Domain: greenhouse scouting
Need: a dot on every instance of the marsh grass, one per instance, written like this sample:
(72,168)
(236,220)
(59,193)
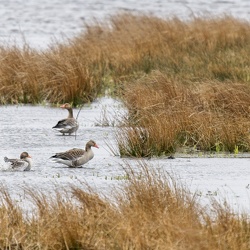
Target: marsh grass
(207,116)
(151,210)
(121,49)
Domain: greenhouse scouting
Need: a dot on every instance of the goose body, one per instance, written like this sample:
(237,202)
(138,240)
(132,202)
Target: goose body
(24,163)
(75,157)
(68,125)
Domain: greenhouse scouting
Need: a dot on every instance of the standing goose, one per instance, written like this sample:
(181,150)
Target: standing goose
(75,157)
(68,125)
(24,163)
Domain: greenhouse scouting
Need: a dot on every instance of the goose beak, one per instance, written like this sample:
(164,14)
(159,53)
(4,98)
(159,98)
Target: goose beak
(96,146)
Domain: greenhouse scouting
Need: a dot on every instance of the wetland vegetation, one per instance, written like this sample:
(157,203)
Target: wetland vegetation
(150,211)
(184,83)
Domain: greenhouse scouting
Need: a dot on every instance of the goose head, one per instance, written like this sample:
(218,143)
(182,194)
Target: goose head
(69,108)
(24,155)
(66,106)
(90,144)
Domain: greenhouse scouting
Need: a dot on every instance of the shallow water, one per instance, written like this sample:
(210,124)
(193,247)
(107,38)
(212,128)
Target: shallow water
(29,128)
(39,22)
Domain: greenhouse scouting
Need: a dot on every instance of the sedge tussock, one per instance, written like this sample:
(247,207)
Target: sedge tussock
(150,210)
(172,115)
(123,48)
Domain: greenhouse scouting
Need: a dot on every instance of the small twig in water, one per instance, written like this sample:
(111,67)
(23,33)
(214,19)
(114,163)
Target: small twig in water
(78,115)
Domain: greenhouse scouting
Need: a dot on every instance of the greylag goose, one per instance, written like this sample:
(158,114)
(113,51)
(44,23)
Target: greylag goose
(68,125)
(75,157)
(24,163)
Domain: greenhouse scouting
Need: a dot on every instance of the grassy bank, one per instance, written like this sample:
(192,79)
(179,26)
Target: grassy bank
(151,211)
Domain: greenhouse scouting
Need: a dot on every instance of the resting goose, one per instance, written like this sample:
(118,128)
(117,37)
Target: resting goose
(24,163)
(75,157)
(68,125)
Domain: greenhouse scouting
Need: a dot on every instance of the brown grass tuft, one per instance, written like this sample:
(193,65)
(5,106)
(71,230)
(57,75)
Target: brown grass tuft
(165,115)
(124,48)
(151,210)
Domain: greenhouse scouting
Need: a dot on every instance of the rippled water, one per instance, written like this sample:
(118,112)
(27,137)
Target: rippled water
(41,21)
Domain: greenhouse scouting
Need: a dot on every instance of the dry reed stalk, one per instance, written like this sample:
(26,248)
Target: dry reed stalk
(12,222)
(150,206)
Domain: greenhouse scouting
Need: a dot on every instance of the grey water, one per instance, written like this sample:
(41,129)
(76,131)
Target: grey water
(39,23)
(29,128)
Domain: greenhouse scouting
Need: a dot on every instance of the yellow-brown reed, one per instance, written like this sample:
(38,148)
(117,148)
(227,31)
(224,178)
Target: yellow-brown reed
(29,76)
(151,211)
(165,115)
(123,48)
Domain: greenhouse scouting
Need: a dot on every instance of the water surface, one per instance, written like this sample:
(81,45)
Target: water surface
(29,128)
(40,22)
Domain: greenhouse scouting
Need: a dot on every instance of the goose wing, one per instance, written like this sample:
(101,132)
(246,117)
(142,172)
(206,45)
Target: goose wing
(67,123)
(72,154)
(6,159)
(15,163)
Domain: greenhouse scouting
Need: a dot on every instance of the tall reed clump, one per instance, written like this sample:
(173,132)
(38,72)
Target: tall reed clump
(165,115)
(67,75)
(19,78)
(201,48)
(123,48)
(150,211)
(56,75)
